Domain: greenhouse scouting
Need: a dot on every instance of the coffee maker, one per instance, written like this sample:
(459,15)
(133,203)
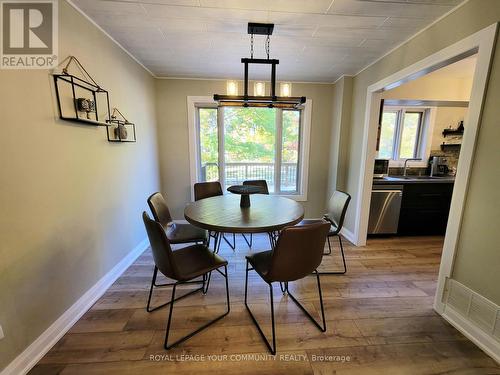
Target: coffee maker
(439,166)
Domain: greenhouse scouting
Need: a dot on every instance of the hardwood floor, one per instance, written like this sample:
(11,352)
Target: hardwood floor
(379,321)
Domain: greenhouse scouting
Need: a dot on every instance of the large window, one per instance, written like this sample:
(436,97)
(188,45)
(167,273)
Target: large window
(401,133)
(235,144)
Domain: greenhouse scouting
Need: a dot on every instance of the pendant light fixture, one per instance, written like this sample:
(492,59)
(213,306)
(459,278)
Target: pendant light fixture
(259,99)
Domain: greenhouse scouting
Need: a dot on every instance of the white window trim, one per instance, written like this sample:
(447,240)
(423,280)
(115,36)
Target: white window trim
(425,141)
(305,133)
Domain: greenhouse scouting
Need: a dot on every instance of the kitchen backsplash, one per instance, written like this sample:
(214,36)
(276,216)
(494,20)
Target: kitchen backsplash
(413,171)
(450,155)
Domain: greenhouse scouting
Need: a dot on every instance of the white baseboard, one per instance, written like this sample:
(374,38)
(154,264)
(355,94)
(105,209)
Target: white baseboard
(348,235)
(469,329)
(25,361)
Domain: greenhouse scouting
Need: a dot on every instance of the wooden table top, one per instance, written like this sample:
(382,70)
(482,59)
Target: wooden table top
(223,213)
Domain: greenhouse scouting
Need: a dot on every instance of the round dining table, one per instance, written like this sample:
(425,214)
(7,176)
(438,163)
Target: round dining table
(223,214)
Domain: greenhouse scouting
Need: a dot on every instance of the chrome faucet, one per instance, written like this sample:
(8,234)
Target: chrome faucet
(406,162)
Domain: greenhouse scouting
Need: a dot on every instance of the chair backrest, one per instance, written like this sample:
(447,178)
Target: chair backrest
(262,184)
(159,209)
(298,252)
(337,208)
(162,252)
(204,190)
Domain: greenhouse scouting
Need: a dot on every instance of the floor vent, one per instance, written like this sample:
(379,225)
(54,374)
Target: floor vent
(457,297)
(478,310)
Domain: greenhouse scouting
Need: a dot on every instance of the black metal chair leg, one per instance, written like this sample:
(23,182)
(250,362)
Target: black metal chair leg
(272,348)
(321,328)
(249,243)
(329,246)
(284,287)
(217,239)
(231,245)
(342,252)
(343,261)
(153,280)
(184,338)
(272,240)
(215,236)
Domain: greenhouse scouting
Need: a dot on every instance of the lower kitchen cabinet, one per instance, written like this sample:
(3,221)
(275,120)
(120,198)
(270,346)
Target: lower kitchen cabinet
(425,208)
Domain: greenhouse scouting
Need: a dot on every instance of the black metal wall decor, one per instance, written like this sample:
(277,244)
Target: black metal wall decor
(120,130)
(80,99)
(271,101)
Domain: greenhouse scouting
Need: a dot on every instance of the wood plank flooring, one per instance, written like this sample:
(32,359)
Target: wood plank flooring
(379,321)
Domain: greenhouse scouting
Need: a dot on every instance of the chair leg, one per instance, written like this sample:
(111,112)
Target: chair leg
(184,338)
(321,328)
(272,348)
(342,252)
(231,245)
(217,241)
(249,243)
(284,287)
(343,261)
(272,240)
(153,284)
(329,246)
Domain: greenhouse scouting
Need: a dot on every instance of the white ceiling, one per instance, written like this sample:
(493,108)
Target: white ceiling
(315,40)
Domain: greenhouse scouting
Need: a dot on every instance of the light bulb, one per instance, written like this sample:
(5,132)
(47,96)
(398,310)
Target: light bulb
(259,89)
(232,88)
(285,89)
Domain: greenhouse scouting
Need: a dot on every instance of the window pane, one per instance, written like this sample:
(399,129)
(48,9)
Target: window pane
(249,145)
(290,151)
(209,144)
(386,146)
(409,135)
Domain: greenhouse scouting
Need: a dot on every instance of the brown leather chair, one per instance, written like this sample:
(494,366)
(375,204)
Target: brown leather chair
(262,184)
(210,189)
(204,190)
(297,254)
(183,266)
(177,232)
(337,208)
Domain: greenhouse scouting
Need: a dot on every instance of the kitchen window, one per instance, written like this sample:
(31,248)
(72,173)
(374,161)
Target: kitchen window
(402,133)
(234,144)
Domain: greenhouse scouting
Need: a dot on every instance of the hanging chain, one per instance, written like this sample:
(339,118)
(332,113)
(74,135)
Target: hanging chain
(268,46)
(251,46)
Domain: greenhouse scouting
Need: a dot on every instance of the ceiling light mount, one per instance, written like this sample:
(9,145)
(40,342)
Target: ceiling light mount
(260,28)
(260,101)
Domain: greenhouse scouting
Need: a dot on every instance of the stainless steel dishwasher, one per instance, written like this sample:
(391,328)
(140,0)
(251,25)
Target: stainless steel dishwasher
(384,209)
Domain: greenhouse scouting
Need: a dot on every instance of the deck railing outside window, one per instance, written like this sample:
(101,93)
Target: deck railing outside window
(236,173)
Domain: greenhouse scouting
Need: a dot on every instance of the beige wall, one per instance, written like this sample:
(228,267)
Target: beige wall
(70,201)
(339,136)
(174,143)
(446,117)
(478,254)
(432,88)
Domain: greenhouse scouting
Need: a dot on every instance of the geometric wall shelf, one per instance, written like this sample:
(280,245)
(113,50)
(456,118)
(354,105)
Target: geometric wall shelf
(120,130)
(81,99)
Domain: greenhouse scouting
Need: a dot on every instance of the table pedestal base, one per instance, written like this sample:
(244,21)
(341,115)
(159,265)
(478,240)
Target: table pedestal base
(245,201)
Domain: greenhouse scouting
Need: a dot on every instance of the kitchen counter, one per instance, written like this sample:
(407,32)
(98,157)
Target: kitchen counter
(425,203)
(399,180)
